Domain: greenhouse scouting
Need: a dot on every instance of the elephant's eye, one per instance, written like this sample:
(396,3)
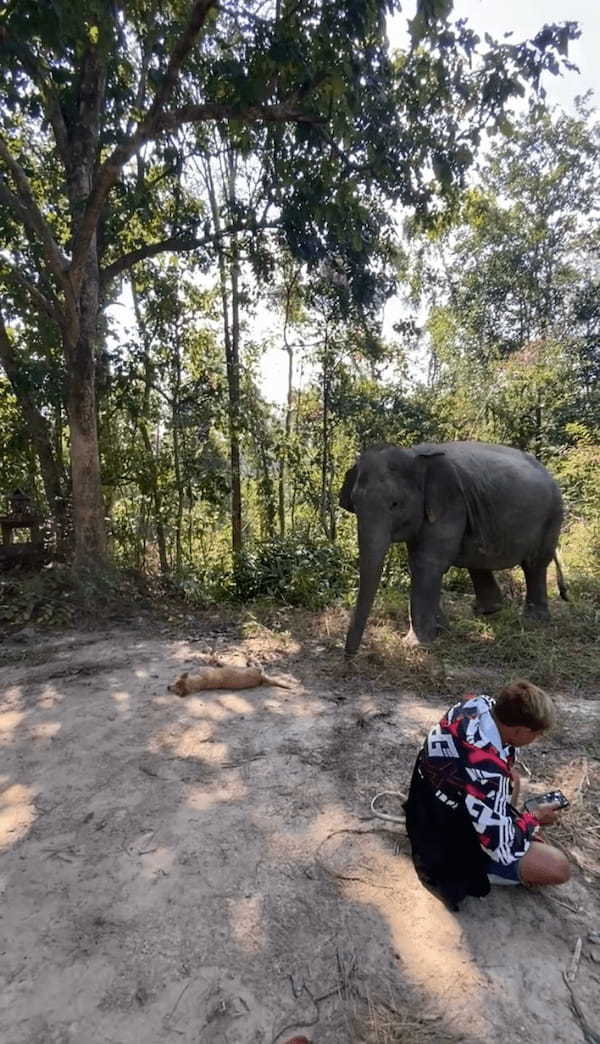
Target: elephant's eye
(394,503)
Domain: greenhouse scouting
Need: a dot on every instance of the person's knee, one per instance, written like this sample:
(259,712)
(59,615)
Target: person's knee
(545,865)
(562,869)
(558,870)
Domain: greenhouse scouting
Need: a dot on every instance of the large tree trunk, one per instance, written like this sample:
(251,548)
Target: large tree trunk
(231,332)
(88,507)
(82,308)
(175,423)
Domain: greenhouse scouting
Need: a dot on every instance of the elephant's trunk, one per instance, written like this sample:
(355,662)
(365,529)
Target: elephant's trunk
(372,556)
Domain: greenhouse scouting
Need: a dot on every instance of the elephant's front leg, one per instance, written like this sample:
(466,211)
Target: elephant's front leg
(425,592)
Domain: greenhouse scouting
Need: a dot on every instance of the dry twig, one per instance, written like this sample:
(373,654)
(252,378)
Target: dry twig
(347,877)
(571,972)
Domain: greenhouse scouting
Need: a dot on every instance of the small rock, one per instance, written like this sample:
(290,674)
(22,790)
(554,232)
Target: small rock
(594,937)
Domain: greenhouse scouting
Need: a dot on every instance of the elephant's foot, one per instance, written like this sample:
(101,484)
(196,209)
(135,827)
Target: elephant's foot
(412,640)
(536,612)
(488,596)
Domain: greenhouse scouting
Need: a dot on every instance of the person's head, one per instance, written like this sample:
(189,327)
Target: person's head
(523,712)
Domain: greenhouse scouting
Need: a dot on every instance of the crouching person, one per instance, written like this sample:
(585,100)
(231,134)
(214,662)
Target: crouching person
(461,817)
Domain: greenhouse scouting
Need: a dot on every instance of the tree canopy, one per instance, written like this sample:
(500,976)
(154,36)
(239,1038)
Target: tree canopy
(244,139)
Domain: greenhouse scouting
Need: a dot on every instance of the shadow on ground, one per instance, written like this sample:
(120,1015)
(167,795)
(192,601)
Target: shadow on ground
(206,870)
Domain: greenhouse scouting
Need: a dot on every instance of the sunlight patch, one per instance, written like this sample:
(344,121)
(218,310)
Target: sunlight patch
(120,696)
(9,722)
(17,813)
(203,708)
(49,698)
(203,798)
(236,703)
(246,920)
(157,863)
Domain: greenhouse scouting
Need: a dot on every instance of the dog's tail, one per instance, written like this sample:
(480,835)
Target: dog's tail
(560,577)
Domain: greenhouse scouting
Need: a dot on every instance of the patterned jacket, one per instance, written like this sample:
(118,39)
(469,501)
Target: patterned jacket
(461,764)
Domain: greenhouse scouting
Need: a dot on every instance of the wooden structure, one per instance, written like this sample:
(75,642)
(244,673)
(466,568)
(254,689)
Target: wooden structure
(21,515)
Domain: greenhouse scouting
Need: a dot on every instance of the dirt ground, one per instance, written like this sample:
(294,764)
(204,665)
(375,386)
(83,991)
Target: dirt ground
(206,870)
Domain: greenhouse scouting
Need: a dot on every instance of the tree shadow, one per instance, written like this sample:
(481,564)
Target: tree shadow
(203,868)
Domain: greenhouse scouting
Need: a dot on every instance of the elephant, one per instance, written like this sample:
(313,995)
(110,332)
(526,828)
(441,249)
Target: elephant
(474,505)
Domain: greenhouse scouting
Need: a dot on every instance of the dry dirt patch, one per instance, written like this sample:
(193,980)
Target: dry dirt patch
(206,870)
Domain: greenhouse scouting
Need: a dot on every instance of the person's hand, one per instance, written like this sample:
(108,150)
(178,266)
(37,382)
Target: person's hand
(546,814)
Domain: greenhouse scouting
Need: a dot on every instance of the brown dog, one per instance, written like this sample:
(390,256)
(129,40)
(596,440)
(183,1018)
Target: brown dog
(222,678)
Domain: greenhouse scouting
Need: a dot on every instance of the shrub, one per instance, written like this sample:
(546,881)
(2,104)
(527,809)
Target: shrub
(295,572)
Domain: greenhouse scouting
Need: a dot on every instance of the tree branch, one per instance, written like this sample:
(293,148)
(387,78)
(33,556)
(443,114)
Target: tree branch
(179,54)
(157,121)
(178,244)
(49,305)
(111,169)
(26,209)
(286,112)
(34,68)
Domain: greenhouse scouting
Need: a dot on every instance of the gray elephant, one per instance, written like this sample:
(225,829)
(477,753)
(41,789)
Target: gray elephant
(469,504)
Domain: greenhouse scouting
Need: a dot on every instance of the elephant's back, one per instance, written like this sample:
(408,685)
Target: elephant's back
(514,506)
(488,467)
(459,452)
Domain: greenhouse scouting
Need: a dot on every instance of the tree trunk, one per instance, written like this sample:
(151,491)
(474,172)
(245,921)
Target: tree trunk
(80,329)
(175,393)
(149,449)
(231,333)
(88,508)
(233,381)
(283,461)
(324,506)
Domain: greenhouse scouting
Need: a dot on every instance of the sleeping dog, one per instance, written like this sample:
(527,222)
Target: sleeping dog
(222,678)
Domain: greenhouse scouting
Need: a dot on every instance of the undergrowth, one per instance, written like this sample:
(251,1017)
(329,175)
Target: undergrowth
(59,596)
(565,651)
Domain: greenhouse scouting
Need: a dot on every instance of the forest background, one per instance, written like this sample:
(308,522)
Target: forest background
(188,190)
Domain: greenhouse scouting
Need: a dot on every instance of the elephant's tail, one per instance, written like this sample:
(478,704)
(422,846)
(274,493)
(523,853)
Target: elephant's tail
(560,577)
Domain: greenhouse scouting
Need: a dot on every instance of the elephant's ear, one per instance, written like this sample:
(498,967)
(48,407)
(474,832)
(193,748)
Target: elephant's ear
(345,497)
(440,485)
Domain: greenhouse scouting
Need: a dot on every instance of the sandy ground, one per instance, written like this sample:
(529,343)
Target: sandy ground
(206,871)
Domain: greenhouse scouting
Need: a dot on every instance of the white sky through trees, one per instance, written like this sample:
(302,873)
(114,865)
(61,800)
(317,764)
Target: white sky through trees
(523,18)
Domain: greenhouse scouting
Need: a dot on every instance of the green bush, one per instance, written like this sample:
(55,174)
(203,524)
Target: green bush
(44,598)
(297,573)
(290,570)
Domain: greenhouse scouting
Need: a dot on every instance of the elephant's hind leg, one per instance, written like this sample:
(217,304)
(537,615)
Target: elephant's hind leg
(536,599)
(488,596)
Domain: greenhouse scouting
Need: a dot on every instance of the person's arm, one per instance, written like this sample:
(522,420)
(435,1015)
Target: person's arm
(503,833)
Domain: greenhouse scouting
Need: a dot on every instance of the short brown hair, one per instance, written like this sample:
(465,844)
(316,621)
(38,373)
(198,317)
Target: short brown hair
(522,703)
